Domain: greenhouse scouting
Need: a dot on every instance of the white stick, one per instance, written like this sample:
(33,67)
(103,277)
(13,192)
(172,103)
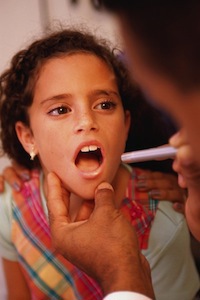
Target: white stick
(158,153)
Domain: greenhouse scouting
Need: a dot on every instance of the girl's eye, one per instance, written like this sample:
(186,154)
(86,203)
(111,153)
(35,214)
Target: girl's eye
(106,105)
(59,111)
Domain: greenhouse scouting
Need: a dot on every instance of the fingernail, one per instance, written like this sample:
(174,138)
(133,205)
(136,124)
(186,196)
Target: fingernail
(154,194)
(104,185)
(16,186)
(173,138)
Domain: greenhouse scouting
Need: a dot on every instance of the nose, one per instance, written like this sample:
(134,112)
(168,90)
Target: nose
(85,122)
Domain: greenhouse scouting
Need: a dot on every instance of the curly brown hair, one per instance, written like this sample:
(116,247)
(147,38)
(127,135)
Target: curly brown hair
(17,83)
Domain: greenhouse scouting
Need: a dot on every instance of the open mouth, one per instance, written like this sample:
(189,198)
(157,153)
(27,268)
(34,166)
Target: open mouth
(89,158)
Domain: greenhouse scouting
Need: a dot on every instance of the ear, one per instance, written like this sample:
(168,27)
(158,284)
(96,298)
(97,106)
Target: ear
(25,137)
(127,122)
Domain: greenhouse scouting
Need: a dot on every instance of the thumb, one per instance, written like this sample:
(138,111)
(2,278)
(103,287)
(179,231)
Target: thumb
(104,196)
(175,139)
(57,199)
(85,211)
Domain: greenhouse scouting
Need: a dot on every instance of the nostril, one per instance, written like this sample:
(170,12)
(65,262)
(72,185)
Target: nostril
(86,126)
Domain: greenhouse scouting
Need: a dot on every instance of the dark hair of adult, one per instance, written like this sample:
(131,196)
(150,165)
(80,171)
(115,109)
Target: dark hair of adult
(150,127)
(168,35)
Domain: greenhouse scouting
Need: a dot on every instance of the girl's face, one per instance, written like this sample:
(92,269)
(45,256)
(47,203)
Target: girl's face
(78,124)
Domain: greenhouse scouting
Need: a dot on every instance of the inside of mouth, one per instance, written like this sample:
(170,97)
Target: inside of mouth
(89,161)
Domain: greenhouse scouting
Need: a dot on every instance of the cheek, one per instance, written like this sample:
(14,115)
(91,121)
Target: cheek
(119,135)
(50,145)
(56,159)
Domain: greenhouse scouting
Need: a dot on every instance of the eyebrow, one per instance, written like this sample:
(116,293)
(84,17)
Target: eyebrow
(56,97)
(99,92)
(105,92)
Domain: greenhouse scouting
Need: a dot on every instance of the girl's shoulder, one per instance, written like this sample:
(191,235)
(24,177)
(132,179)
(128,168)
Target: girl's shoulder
(7,249)
(6,199)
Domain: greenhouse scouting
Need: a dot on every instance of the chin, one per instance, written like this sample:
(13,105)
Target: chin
(85,193)
(88,195)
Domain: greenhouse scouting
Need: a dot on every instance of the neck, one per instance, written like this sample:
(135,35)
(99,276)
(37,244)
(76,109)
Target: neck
(76,203)
(120,183)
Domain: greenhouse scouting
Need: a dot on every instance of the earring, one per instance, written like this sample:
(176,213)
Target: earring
(32,153)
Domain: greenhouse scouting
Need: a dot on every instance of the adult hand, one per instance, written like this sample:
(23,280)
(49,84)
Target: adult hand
(184,164)
(163,186)
(188,176)
(104,245)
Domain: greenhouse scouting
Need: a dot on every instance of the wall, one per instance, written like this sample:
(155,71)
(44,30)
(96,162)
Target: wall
(20,20)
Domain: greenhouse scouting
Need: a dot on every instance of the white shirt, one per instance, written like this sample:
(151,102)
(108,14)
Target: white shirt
(125,296)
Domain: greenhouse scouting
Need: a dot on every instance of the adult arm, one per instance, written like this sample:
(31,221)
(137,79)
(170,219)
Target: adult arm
(189,176)
(104,246)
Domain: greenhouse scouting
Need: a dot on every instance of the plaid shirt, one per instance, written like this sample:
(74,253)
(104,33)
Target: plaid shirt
(48,274)
(139,209)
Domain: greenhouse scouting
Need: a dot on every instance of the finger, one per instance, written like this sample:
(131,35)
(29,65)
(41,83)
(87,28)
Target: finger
(85,211)
(175,139)
(147,174)
(177,168)
(1,184)
(158,175)
(57,199)
(162,177)
(156,180)
(149,184)
(144,174)
(22,172)
(173,195)
(178,139)
(181,181)
(104,196)
(167,176)
(12,178)
(185,156)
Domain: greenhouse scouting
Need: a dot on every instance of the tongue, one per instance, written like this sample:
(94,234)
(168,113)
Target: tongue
(87,162)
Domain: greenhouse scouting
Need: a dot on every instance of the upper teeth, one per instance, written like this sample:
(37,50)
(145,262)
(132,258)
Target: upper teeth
(89,148)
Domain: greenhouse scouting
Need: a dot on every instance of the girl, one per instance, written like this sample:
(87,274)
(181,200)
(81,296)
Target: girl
(65,108)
